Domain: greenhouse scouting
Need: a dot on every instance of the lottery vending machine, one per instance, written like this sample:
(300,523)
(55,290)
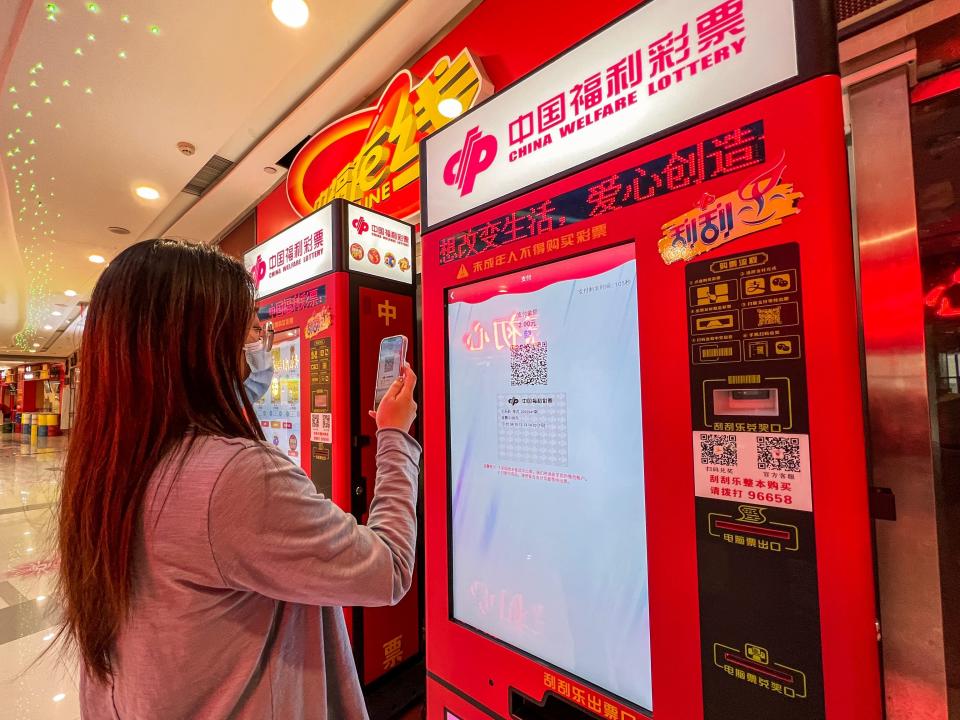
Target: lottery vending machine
(333,285)
(646,489)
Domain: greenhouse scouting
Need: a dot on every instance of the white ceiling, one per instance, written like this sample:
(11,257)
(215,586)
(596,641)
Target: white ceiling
(221,74)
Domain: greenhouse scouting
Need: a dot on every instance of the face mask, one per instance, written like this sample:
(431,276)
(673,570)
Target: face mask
(261,370)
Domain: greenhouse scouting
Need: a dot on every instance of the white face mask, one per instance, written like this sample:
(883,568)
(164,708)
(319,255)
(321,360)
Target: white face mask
(260,361)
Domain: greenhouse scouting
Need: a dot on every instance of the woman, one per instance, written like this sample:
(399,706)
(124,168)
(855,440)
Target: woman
(200,572)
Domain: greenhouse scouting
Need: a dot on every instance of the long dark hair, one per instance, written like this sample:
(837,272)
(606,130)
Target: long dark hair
(160,361)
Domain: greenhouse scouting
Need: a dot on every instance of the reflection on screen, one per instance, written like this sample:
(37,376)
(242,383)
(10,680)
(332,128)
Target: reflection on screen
(547,488)
(279,410)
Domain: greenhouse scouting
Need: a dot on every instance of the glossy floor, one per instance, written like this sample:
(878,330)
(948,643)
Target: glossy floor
(30,688)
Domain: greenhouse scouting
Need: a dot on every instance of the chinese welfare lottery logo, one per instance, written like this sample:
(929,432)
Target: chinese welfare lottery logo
(258,271)
(476,155)
(360,225)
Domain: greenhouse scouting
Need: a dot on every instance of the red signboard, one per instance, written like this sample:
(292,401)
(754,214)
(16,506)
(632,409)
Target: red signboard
(372,156)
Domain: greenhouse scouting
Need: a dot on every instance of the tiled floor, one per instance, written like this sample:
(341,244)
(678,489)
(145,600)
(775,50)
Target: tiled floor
(31,687)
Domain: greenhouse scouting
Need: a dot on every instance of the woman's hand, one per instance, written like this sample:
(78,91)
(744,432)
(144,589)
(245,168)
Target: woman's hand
(398,409)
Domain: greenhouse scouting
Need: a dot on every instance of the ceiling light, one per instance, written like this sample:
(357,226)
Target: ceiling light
(97,259)
(41,598)
(70,293)
(154,29)
(93,7)
(32,350)
(48,327)
(59,697)
(292,13)
(147,192)
(125,18)
(49,636)
(56,313)
(36,344)
(270,170)
(117,230)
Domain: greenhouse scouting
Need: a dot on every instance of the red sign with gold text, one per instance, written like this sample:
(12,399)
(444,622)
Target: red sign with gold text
(372,157)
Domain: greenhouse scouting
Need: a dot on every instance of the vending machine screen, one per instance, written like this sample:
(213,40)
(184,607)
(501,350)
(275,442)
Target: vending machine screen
(279,410)
(546,467)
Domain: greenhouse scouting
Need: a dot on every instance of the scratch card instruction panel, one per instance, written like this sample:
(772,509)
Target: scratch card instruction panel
(756,551)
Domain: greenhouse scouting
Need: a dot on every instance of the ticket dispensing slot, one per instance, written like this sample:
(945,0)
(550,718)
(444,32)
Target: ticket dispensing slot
(759,402)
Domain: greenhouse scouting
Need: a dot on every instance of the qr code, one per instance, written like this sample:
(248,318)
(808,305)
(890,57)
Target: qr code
(718,450)
(528,364)
(388,365)
(778,453)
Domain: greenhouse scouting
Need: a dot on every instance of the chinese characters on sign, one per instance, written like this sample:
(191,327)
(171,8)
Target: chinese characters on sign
(379,245)
(294,303)
(393,652)
(658,67)
(720,34)
(299,253)
(511,608)
(518,329)
(712,158)
(752,665)
(758,204)
(588,699)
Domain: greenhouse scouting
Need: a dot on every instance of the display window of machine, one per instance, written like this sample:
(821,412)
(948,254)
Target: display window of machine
(545,435)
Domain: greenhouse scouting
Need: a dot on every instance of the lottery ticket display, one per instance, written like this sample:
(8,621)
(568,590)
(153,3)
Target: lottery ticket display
(279,410)
(545,436)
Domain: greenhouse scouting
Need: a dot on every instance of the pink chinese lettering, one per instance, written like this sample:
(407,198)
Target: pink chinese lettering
(587,94)
(551,113)
(521,128)
(625,74)
(602,197)
(715,24)
(670,50)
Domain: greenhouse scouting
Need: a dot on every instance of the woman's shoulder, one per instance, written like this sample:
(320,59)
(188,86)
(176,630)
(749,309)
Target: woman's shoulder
(213,453)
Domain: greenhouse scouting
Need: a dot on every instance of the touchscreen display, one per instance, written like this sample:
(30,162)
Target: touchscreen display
(546,477)
(279,410)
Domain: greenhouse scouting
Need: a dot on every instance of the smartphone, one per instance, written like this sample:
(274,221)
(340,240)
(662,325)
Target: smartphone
(393,353)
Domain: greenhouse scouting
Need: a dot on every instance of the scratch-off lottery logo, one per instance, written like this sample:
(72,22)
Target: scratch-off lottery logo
(760,203)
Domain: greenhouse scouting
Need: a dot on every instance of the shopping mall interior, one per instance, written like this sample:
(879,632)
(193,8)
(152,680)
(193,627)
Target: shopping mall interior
(536,360)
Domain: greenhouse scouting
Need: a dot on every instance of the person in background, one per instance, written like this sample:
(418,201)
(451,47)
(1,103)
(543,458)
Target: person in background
(201,574)
(257,350)
(5,413)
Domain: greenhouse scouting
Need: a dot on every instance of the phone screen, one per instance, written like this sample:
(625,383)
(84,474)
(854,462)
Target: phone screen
(393,351)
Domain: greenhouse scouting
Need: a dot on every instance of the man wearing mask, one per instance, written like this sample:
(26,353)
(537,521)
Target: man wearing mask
(259,359)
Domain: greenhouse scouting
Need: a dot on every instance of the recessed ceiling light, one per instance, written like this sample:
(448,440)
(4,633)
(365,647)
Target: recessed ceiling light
(70,293)
(97,259)
(450,108)
(48,637)
(32,350)
(36,344)
(59,697)
(117,230)
(56,313)
(270,170)
(41,598)
(147,192)
(292,13)
(48,327)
